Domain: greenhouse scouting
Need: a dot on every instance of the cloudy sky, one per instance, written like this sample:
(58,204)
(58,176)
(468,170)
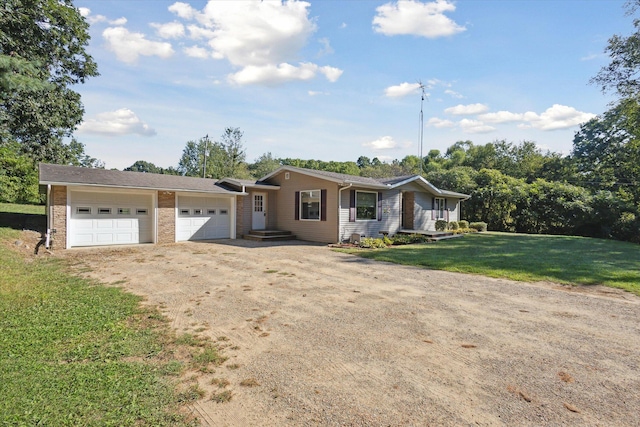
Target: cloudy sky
(334,80)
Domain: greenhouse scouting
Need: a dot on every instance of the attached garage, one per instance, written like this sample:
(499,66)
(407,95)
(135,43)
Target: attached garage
(104,218)
(99,207)
(203,218)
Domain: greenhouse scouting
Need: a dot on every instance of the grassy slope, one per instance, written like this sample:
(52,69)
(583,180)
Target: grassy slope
(25,209)
(562,259)
(74,352)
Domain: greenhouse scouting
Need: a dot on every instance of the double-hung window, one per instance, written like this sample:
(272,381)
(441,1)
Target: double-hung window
(366,205)
(439,207)
(310,205)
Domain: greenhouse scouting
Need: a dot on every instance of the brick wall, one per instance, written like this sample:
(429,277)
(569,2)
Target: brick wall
(59,216)
(166,217)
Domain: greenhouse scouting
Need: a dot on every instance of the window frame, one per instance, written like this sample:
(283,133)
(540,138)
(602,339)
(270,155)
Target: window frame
(301,217)
(440,207)
(375,206)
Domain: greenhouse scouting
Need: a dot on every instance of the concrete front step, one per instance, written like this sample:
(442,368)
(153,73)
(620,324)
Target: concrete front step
(269,235)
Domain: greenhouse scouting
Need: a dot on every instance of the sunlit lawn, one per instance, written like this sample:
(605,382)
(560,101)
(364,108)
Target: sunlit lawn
(526,257)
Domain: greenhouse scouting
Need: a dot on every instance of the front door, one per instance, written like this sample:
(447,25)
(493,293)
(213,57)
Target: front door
(259,218)
(408,204)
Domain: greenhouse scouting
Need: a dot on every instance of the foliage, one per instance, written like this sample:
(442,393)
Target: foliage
(18,176)
(76,353)
(463,224)
(371,243)
(560,259)
(42,54)
(478,226)
(218,159)
(147,167)
(409,239)
(441,225)
(453,225)
(264,165)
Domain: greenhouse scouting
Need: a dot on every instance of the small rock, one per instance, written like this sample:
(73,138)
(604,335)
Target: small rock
(18,242)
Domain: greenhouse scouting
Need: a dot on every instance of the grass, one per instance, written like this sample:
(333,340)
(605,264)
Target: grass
(74,352)
(526,257)
(22,209)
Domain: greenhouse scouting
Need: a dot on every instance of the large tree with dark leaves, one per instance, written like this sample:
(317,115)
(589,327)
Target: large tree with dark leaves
(42,56)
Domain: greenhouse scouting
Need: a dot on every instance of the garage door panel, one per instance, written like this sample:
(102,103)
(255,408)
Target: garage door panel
(199,218)
(113,218)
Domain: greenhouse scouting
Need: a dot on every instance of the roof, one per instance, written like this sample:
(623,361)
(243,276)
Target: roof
(362,181)
(340,178)
(250,183)
(73,175)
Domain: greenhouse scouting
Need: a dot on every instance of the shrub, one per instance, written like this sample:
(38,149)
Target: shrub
(407,239)
(372,243)
(463,224)
(441,225)
(479,226)
(387,241)
(453,225)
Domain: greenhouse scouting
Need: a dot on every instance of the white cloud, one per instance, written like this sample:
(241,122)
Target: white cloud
(196,52)
(94,19)
(501,117)
(128,46)
(556,117)
(114,123)
(170,30)
(474,126)
(326,47)
(403,89)
(453,94)
(440,123)
(384,143)
(416,18)
(465,110)
(261,38)
(316,93)
(277,74)
(183,10)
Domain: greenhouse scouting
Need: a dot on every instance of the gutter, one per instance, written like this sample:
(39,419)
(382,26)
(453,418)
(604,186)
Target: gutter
(47,242)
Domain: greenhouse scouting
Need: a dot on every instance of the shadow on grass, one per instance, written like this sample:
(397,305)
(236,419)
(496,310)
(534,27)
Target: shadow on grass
(21,221)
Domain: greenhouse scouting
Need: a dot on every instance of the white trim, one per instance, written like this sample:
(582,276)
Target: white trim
(68,219)
(232,220)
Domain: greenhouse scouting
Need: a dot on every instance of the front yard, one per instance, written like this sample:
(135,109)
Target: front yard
(526,257)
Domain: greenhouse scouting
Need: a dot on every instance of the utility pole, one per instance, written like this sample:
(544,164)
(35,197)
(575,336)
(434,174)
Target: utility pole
(206,148)
(421,124)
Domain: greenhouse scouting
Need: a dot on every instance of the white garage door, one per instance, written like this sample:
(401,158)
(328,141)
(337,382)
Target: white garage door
(201,218)
(110,218)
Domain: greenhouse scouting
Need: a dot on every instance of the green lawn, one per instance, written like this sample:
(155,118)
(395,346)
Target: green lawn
(22,209)
(526,257)
(74,352)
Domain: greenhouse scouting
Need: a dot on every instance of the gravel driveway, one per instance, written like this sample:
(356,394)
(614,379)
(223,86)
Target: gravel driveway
(333,339)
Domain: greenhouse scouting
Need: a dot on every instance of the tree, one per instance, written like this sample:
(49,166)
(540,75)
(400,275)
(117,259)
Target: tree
(264,165)
(621,75)
(18,176)
(219,159)
(42,54)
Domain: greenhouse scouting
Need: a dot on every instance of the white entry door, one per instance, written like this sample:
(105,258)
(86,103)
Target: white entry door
(259,218)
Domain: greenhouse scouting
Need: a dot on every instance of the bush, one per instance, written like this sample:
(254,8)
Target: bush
(479,226)
(463,224)
(408,239)
(453,225)
(371,243)
(441,225)
(387,241)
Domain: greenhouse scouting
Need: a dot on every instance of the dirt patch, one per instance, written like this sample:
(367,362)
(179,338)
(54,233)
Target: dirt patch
(316,337)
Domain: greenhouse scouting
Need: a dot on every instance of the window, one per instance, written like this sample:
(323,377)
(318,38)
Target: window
(366,205)
(439,207)
(184,212)
(310,205)
(287,175)
(224,212)
(211,211)
(197,211)
(104,211)
(124,211)
(142,211)
(83,211)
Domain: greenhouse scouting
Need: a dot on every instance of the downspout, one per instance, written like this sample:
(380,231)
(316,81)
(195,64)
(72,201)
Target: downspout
(47,242)
(340,208)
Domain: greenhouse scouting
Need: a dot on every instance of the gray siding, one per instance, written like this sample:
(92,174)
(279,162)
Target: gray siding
(390,216)
(423,212)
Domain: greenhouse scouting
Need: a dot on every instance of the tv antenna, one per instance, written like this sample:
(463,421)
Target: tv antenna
(422,97)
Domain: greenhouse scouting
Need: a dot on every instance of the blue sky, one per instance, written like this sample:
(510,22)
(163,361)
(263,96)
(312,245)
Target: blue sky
(335,79)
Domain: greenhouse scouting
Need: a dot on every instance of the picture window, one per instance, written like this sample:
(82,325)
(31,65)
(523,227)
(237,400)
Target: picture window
(366,205)
(310,205)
